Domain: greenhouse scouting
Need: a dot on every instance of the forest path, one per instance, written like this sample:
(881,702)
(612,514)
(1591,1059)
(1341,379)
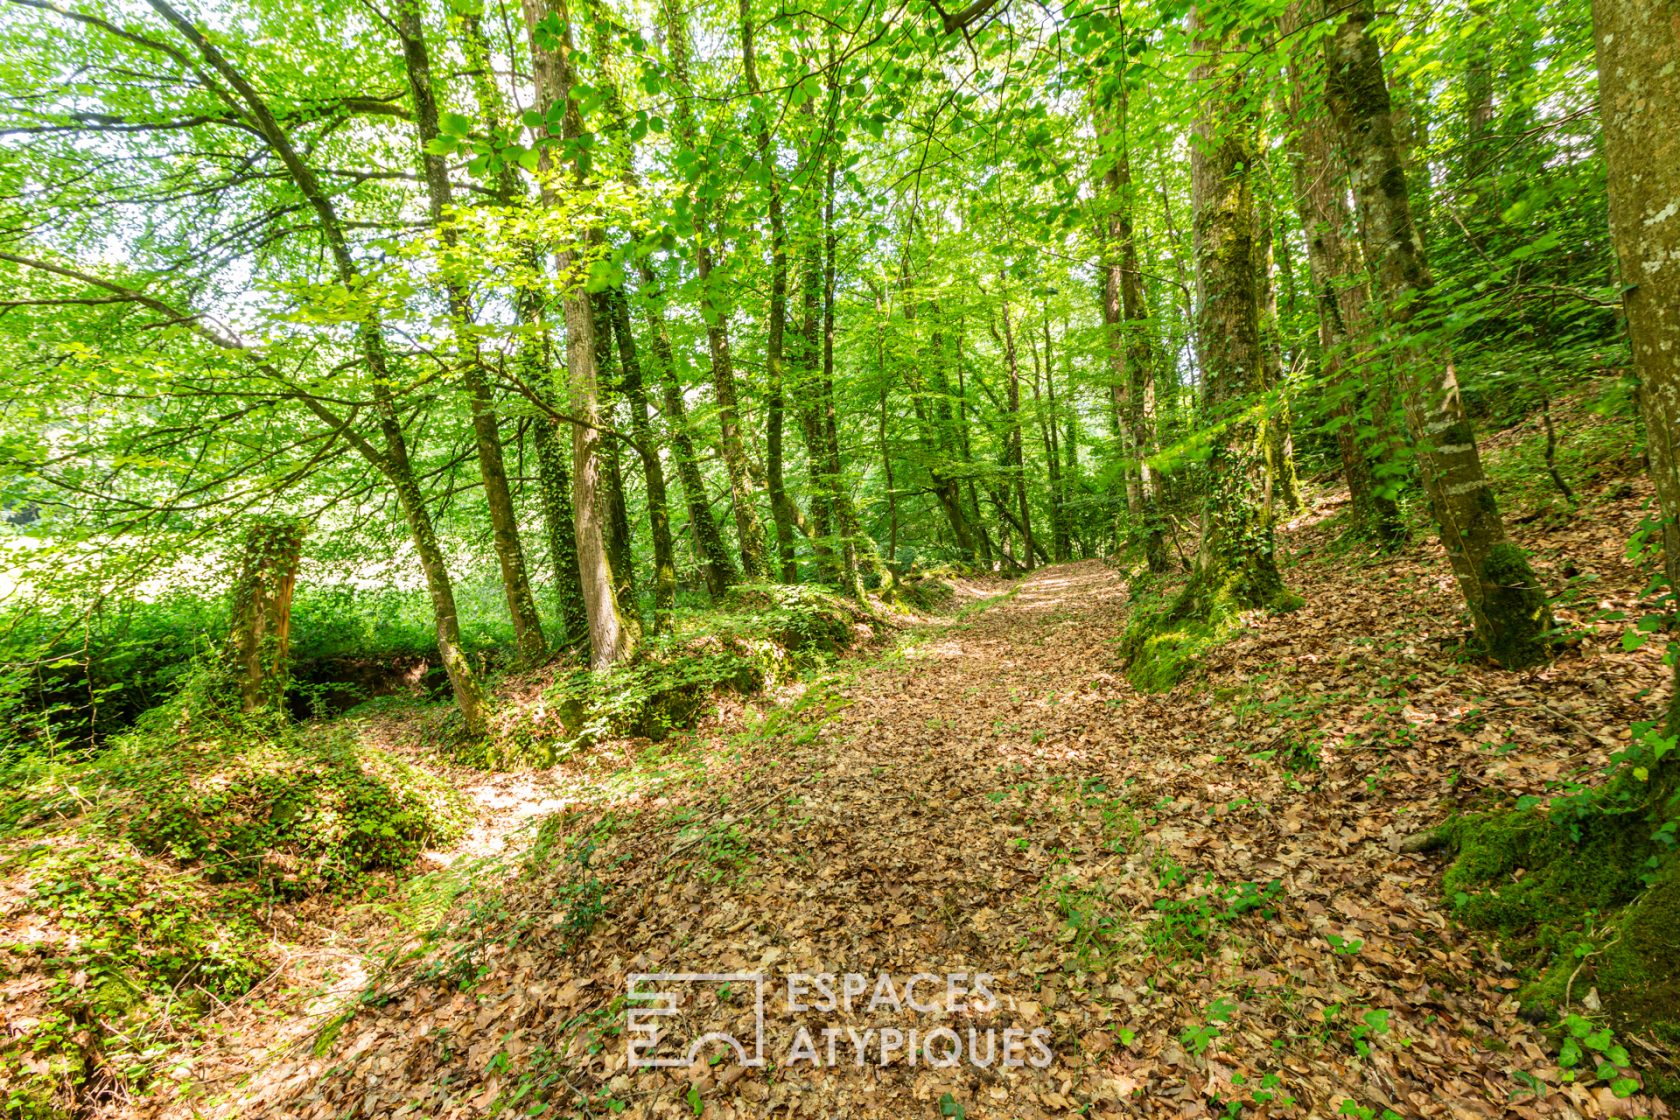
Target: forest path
(1197,930)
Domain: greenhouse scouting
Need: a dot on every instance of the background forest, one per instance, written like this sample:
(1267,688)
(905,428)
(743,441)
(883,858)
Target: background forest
(552,369)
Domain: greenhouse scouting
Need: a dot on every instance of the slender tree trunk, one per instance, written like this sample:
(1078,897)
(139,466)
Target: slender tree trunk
(838,493)
(1276,439)
(892,487)
(1014,456)
(1639,98)
(714,309)
(393,460)
(1507,603)
(715,566)
(808,391)
(614,497)
(1358,385)
(534,353)
(1131,357)
(781,506)
(1046,408)
(982,541)
(647,446)
(612,637)
(487,439)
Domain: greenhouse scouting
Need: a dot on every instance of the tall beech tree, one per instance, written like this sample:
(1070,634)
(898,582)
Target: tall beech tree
(1506,599)
(1638,44)
(612,635)
(487,437)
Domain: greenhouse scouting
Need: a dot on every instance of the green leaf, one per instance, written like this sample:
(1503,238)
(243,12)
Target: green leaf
(454,124)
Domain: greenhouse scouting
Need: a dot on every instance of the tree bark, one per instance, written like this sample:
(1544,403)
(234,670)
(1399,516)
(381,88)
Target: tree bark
(260,639)
(534,353)
(1506,601)
(781,506)
(612,637)
(715,566)
(1130,355)
(1358,385)
(620,551)
(714,309)
(1639,99)
(641,428)
(1235,566)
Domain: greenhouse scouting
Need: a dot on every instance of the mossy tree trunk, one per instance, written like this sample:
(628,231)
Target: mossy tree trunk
(1639,98)
(782,512)
(259,640)
(534,353)
(620,546)
(1507,603)
(1236,567)
(1357,385)
(714,309)
(834,467)
(612,636)
(1130,350)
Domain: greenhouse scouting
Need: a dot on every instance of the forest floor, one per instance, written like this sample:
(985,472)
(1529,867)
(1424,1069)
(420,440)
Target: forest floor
(1199,895)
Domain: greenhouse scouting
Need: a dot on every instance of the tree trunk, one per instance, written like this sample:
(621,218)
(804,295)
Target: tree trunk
(1343,301)
(641,428)
(839,495)
(1131,357)
(1506,601)
(615,499)
(714,309)
(1639,97)
(1013,453)
(534,353)
(1235,567)
(487,438)
(1045,406)
(393,460)
(1277,442)
(715,566)
(612,637)
(260,638)
(781,506)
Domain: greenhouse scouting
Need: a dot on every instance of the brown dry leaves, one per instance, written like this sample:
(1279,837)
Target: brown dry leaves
(995,799)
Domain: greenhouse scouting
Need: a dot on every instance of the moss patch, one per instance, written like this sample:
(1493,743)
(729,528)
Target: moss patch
(131,885)
(1582,897)
(1165,638)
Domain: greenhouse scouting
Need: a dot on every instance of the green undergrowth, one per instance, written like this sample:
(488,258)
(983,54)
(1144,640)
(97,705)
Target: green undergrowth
(134,886)
(1598,438)
(1583,894)
(762,635)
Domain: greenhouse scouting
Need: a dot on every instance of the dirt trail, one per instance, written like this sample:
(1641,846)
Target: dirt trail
(1197,930)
